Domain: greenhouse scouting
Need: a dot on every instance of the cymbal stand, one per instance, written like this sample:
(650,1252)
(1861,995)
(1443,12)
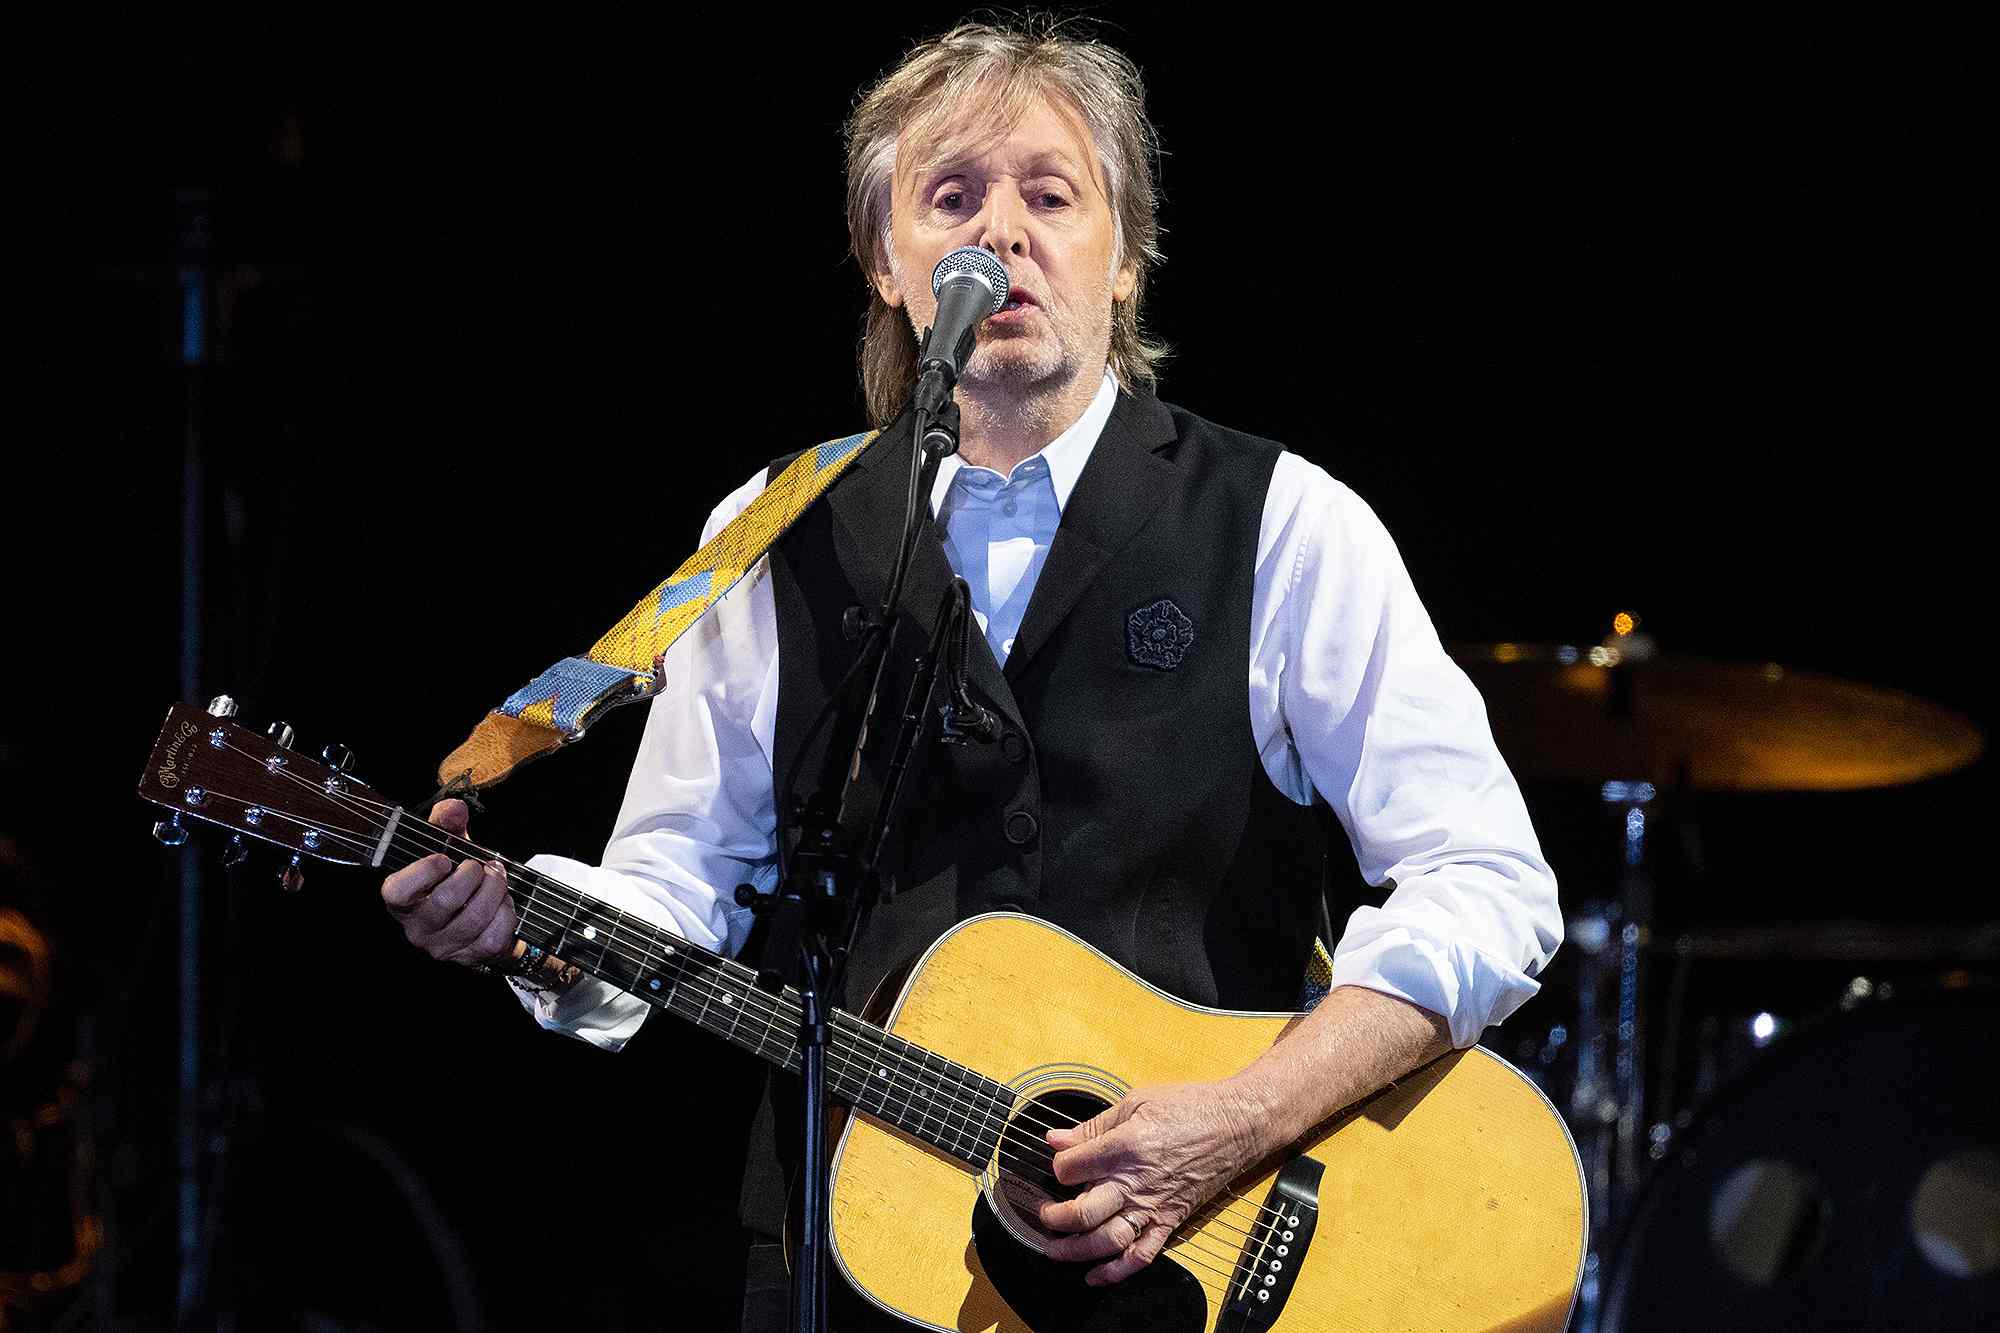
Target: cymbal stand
(1608,1099)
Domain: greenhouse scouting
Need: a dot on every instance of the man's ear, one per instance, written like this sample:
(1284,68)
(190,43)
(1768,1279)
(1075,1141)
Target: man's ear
(884,283)
(1127,281)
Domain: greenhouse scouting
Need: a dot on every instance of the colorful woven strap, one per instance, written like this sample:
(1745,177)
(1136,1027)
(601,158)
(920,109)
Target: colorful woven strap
(626,664)
(1319,976)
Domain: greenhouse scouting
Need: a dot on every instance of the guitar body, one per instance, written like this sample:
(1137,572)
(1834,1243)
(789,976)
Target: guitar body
(1451,1200)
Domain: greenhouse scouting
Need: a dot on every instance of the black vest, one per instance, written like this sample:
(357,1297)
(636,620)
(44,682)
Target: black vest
(1125,800)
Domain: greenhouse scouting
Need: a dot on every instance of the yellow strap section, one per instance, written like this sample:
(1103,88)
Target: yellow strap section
(1319,968)
(638,642)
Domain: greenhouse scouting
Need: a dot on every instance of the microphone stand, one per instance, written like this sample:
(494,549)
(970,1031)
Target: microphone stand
(830,882)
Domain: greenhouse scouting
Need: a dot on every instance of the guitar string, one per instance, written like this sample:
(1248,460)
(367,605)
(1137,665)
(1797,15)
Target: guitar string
(1002,1110)
(1181,1250)
(1026,1168)
(998,1107)
(416,831)
(424,834)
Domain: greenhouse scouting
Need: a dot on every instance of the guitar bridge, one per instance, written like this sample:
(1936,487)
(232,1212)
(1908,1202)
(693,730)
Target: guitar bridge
(1269,1264)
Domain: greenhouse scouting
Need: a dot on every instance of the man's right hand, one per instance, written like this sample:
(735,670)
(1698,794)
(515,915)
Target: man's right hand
(459,911)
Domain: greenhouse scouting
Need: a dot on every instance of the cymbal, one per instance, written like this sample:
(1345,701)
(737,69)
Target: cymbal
(1595,715)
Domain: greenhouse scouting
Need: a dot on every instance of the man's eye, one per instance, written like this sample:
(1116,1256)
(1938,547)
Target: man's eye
(1053,200)
(951,202)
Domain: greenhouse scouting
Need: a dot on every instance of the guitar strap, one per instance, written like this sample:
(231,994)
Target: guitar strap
(627,664)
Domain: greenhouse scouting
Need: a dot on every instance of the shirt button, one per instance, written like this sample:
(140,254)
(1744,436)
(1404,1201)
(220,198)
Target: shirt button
(1021,827)
(1014,746)
(1008,508)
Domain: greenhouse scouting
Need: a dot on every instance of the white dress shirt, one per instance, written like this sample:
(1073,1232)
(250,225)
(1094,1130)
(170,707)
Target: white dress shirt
(1351,696)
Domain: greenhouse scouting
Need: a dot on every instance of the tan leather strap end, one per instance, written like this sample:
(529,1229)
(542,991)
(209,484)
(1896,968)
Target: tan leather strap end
(496,747)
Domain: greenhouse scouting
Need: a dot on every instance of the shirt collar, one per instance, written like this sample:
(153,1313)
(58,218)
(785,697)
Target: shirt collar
(1065,455)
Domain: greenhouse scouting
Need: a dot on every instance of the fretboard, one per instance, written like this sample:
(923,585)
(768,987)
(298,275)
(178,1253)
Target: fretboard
(952,1108)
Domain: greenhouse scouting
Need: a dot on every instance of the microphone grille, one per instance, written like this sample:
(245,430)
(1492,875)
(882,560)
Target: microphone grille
(975,263)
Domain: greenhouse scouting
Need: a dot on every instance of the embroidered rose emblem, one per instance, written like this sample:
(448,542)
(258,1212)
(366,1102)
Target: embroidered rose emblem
(1159,635)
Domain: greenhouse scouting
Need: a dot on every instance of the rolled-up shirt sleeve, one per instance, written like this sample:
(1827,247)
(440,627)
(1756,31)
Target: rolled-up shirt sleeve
(1375,716)
(698,816)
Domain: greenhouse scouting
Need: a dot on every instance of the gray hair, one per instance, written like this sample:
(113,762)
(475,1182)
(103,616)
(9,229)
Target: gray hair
(1010,68)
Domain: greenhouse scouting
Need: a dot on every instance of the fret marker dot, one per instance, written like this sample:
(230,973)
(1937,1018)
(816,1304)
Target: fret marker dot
(881,1073)
(656,983)
(729,999)
(670,951)
(590,932)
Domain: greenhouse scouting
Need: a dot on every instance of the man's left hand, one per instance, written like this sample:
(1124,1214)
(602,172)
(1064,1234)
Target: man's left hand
(1147,1164)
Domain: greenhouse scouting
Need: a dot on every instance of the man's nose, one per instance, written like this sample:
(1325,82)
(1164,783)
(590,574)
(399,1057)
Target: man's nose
(1000,229)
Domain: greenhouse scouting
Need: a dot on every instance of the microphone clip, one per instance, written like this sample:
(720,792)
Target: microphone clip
(961,718)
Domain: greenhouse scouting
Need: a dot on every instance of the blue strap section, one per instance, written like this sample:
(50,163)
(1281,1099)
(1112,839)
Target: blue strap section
(575,683)
(826,455)
(690,589)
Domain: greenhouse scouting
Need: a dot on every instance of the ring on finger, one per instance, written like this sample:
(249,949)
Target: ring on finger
(1136,1220)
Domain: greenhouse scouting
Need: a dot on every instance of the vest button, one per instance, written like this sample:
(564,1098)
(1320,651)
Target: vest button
(1014,746)
(1021,828)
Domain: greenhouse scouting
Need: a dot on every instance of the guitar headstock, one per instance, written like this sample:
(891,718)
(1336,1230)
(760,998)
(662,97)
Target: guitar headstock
(206,767)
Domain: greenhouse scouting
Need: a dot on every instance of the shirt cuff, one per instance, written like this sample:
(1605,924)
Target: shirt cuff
(1470,988)
(593,1011)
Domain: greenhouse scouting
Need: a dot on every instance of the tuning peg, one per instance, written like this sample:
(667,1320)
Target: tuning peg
(169,830)
(236,853)
(281,732)
(222,706)
(337,757)
(291,879)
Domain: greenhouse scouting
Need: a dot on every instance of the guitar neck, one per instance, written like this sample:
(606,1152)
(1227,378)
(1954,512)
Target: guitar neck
(952,1108)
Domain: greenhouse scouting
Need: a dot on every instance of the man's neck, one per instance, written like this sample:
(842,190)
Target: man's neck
(999,427)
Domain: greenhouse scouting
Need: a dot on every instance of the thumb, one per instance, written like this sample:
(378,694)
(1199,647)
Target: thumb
(451,815)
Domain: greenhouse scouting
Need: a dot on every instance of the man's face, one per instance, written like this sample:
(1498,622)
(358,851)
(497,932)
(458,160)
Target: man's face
(1035,199)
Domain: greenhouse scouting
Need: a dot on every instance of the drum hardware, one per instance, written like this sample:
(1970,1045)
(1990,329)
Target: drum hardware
(1634,722)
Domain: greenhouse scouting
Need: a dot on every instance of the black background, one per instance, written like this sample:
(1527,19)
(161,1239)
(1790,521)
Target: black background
(1681,320)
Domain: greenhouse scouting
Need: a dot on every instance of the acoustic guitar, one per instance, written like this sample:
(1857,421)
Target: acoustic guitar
(1450,1200)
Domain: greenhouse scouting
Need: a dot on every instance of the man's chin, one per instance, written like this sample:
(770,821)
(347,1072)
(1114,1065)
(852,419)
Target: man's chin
(1014,365)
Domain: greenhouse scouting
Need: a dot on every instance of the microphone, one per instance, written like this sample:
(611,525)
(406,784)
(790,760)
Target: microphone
(970,284)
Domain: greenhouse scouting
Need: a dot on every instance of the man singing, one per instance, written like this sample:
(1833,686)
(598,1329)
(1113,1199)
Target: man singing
(1190,637)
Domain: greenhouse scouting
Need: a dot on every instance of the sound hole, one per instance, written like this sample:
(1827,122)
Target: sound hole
(1026,1180)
